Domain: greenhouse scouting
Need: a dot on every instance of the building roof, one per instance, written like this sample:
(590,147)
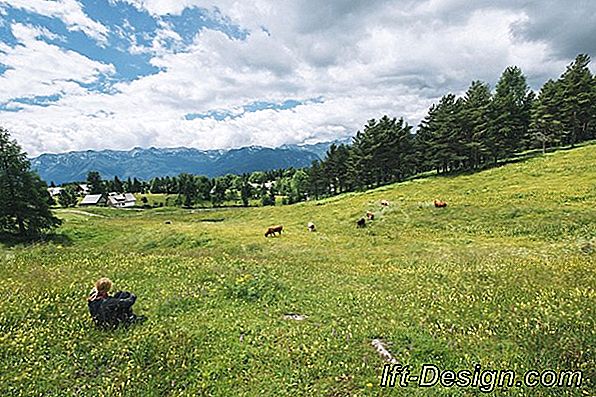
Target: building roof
(268,184)
(54,191)
(91,199)
(116,198)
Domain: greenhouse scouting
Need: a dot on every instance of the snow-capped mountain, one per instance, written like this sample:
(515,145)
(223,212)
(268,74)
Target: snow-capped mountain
(152,162)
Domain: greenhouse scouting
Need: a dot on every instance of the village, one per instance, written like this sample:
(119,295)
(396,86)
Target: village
(112,199)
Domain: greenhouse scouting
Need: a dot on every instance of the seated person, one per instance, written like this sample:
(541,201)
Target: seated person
(111,311)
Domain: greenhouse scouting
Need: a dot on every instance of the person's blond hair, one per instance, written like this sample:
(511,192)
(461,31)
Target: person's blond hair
(103,284)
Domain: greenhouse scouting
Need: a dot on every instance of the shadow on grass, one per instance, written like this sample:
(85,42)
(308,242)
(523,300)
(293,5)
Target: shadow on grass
(12,240)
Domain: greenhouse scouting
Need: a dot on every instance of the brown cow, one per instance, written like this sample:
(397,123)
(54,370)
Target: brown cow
(273,229)
(440,204)
(370,216)
(361,222)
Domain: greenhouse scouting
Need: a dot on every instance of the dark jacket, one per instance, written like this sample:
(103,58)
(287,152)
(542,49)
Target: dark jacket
(112,311)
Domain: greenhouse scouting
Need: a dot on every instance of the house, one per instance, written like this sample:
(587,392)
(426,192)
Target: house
(267,185)
(93,199)
(82,189)
(55,191)
(120,200)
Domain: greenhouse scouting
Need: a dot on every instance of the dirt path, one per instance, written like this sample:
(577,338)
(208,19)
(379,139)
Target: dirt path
(78,212)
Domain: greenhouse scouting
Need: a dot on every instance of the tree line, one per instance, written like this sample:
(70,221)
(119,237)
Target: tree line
(465,133)
(259,187)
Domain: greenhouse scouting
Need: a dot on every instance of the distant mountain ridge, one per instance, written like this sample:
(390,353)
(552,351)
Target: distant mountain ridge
(152,162)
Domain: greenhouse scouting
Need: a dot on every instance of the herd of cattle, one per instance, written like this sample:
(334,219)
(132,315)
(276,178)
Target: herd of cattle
(370,216)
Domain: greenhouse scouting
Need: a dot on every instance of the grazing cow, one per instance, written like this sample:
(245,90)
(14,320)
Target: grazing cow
(361,222)
(273,229)
(168,222)
(440,204)
(311,227)
(370,216)
(385,203)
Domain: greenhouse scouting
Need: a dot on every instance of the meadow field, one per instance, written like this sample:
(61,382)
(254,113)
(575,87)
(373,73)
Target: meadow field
(504,277)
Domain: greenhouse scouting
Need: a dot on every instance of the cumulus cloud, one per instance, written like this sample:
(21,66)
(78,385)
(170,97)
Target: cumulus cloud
(568,27)
(359,59)
(69,11)
(36,68)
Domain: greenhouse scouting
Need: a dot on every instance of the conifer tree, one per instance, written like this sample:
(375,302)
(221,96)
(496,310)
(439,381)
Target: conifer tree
(577,108)
(510,113)
(24,204)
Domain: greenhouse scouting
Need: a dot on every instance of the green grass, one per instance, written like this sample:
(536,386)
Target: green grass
(160,199)
(504,277)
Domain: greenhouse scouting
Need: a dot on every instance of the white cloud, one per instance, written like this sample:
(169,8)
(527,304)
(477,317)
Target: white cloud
(36,68)
(363,59)
(69,11)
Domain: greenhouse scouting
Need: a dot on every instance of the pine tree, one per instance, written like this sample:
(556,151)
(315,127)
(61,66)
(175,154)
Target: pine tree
(336,168)
(218,192)
(363,148)
(187,190)
(440,135)
(423,141)
(577,110)
(510,116)
(68,196)
(137,187)
(24,207)
(298,186)
(475,124)
(316,186)
(95,183)
(245,190)
(117,185)
(545,125)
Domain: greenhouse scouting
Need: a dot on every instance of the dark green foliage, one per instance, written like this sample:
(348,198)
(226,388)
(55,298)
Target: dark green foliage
(510,113)
(118,187)
(187,190)
(577,111)
(441,146)
(218,193)
(24,199)
(337,169)
(267,196)
(564,112)
(380,154)
(316,183)
(68,196)
(96,184)
(245,190)
(475,118)
(546,127)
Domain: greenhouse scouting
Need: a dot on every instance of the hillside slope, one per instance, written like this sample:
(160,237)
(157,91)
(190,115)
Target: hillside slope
(503,277)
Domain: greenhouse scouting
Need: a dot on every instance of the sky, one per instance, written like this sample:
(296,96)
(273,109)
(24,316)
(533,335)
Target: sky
(118,74)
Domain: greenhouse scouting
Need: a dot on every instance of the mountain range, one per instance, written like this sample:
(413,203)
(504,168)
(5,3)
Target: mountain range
(152,162)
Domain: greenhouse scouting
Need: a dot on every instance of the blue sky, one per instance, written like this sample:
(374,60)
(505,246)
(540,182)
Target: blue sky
(95,74)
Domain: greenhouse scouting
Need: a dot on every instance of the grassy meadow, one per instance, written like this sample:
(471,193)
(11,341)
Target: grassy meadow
(504,277)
